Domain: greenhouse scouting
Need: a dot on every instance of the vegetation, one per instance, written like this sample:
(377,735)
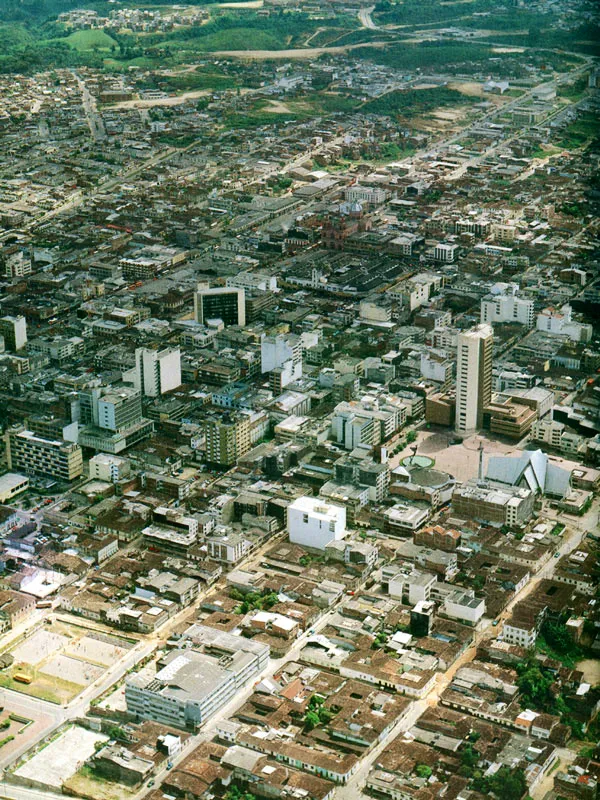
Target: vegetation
(6,740)
(415,101)
(423,771)
(506,783)
(316,714)
(254,600)
(234,793)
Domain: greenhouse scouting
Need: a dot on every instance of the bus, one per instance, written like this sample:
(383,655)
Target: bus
(20,677)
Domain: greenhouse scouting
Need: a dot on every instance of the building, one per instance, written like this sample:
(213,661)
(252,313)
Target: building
(193,684)
(112,419)
(104,467)
(225,304)
(507,307)
(157,371)
(473,377)
(281,358)
(35,455)
(11,485)
(314,523)
(14,332)
(14,608)
(445,253)
(496,505)
(561,323)
(227,438)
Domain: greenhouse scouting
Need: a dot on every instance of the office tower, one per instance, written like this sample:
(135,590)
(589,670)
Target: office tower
(473,376)
(35,455)
(120,408)
(226,304)
(14,332)
(112,418)
(227,439)
(281,356)
(157,371)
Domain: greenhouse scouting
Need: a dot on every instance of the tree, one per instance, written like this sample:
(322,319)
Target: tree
(423,771)
(311,720)
(508,784)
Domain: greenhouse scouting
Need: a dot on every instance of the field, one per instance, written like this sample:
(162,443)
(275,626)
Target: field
(90,40)
(61,661)
(59,760)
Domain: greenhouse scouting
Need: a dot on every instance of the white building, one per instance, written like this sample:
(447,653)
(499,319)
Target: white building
(558,436)
(473,376)
(157,371)
(464,606)
(104,467)
(561,323)
(445,252)
(365,194)
(283,354)
(314,523)
(14,331)
(414,586)
(416,291)
(259,281)
(507,307)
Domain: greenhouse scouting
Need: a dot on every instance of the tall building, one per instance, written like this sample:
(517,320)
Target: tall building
(473,376)
(112,419)
(157,371)
(226,304)
(227,438)
(33,454)
(14,332)
(314,523)
(281,357)
(507,307)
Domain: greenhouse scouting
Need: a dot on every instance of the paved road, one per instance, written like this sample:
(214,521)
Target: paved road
(364,17)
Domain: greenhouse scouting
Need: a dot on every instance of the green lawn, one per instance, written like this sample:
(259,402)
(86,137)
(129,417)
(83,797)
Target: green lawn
(90,40)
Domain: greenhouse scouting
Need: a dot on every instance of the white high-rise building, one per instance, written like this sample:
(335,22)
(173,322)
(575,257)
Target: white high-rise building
(314,523)
(281,355)
(157,371)
(507,307)
(14,331)
(473,376)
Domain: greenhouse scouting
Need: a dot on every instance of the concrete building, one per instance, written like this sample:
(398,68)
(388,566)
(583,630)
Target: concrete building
(314,523)
(193,684)
(281,359)
(473,377)
(35,455)
(561,323)
(496,505)
(112,419)
(445,253)
(507,307)
(14,332)
(225,304)
(157,371)
(227,438)
(104,467)
(11,485)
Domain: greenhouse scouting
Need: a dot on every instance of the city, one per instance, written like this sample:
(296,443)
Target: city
(299,400)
